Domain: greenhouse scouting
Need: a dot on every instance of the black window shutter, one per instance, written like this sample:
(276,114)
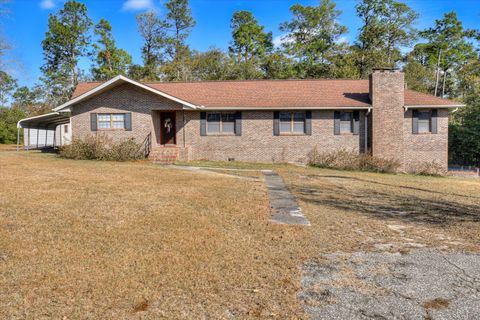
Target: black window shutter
(433,122)
(356,122)
(308,123)
(93,121)
(336,125)
(415,121)
(203,123)
(276,123)
(238,123)
(128,121)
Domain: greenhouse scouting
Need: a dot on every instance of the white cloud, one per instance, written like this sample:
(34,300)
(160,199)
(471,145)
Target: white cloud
(281,39)
(47,4)
(342,39)
(136,5)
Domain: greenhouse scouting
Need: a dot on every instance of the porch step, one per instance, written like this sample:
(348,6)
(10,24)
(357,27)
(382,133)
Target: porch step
(164,155)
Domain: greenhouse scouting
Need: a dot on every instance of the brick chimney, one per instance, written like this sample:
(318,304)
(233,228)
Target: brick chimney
(387,96)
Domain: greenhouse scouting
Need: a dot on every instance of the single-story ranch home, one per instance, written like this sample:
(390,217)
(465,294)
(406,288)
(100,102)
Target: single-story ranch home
(258,120)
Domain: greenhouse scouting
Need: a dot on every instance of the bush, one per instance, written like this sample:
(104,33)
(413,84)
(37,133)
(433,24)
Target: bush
(430,169)
(351,160)
(102,148)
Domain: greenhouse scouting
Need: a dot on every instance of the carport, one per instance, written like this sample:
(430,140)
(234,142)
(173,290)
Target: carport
(42,131)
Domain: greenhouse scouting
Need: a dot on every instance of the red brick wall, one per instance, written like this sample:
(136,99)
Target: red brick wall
(426,147)
(258,144)
(124,98)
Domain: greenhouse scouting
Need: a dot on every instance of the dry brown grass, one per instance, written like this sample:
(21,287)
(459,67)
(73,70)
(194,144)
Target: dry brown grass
(85,239)
(8,147)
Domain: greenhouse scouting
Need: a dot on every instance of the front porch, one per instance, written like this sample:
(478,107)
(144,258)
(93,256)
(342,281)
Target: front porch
(168,143)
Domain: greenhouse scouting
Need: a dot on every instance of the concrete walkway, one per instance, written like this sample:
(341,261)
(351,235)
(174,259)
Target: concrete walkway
(285,208)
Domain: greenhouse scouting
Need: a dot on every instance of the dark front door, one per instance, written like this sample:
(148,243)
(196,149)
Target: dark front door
(167,128)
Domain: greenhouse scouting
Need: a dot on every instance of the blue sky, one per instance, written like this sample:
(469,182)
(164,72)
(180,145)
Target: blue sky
(26,24)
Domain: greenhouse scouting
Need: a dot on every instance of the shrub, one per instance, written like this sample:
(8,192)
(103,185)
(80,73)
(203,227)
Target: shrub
(430,169)
(102,148)
(351,160)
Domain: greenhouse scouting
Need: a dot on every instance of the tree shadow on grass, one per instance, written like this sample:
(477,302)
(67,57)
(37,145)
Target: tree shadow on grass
(384,204)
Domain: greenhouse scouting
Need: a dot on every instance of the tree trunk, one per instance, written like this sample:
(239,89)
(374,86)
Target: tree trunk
(444,80)
(438,71)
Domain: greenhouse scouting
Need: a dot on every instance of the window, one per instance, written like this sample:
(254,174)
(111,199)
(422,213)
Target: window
(424,118)
(111,121)
(292,122)
(346,119)
(221,123)
(65,128)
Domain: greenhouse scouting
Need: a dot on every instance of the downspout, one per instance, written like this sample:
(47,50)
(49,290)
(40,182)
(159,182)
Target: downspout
(183,129)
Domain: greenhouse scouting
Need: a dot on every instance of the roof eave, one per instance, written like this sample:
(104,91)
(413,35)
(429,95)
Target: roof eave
(121,78)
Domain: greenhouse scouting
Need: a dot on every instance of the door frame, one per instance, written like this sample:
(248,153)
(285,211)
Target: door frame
(174,127)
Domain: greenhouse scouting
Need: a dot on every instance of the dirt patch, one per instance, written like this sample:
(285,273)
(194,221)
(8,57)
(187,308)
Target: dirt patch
(437,303)
(425,283)
(141,306)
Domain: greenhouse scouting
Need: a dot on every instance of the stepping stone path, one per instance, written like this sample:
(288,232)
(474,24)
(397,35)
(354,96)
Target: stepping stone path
(284,206)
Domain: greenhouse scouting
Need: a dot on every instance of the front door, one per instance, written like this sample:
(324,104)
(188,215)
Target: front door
(167,128)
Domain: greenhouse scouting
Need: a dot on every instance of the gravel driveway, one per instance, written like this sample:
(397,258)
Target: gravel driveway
(423,284)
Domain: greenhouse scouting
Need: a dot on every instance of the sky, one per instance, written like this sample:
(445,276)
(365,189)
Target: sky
(26,23)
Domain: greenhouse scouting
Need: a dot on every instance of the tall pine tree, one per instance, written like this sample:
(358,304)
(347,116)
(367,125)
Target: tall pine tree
(66,40)
(312,38)
(110,61)
(250,45)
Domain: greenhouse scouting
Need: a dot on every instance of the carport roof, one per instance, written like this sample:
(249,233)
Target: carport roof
(49,120)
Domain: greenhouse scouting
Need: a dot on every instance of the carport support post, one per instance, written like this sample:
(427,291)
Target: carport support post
(38,134)
(18,139)
(46,136)
(28,142)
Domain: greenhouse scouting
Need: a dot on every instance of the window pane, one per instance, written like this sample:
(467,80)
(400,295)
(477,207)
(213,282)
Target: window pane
(345,126)
(104,125)
(213,117)
(424,122)
(228,117)
(299,127)
(118,125)
(118,117)
(285,126)
(213,127)
(345,116)
(285,116)
(299,116)
(103,117)
(228,127)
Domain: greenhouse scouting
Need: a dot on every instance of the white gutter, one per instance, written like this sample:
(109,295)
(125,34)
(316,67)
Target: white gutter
(434,106)
(369,108)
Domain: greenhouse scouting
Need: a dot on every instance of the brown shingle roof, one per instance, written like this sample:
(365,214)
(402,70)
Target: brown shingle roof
(275,93)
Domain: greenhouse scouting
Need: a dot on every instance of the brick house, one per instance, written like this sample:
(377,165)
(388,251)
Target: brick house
(266,120)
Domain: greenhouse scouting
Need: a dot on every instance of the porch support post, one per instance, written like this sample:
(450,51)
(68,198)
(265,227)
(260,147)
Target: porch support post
(28,141)
(46,136)
(38,134)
